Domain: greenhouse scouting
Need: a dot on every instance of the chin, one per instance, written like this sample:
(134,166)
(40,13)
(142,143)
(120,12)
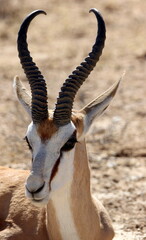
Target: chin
(40,203)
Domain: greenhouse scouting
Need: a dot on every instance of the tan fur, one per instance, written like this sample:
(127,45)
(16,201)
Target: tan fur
(52,223)
(90,217)
(77,119)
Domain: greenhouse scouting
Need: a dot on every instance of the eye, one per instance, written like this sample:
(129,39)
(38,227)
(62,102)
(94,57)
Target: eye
(70,143)
(26,139)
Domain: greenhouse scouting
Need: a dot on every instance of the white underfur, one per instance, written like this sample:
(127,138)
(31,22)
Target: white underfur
(65,171)
(96,107)
(19,88)
(45,156)
(61,196)
(95,112)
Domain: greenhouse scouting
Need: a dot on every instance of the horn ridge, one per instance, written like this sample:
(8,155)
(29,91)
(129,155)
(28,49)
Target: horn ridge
(63,111)
(36,80)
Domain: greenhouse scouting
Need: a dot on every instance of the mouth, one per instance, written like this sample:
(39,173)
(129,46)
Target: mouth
(40,202)
(38,198)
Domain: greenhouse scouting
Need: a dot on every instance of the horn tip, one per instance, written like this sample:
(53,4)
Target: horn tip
(39,11)
(94,10)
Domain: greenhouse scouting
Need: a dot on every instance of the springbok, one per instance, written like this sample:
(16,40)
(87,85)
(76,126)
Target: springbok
(58,203)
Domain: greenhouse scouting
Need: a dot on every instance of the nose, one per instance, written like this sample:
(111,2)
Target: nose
(34,184)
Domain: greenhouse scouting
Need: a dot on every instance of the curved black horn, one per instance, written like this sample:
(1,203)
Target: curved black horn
(63,110)
(36,80)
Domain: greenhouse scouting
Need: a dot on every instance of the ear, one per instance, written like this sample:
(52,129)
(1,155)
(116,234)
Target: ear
(97,106)
(22,94)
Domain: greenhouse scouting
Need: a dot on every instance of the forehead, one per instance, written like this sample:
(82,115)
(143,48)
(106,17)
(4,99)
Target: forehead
(47,128)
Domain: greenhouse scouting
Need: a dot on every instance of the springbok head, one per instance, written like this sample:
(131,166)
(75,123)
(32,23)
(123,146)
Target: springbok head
(52,134)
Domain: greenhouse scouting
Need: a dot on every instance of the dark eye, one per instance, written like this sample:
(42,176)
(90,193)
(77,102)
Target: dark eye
(26,139)
(70,143)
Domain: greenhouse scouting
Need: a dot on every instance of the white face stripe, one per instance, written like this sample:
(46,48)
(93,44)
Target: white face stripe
(55,144)
(61,196)
(65,171)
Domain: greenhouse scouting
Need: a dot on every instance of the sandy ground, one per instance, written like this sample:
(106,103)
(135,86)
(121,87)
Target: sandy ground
(116,143)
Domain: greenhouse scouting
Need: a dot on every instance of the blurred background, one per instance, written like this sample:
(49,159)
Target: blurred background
(117,141)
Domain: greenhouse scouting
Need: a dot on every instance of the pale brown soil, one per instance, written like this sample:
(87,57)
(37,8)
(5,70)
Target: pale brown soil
(117,141)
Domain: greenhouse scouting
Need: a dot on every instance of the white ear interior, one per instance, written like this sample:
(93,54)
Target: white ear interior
(22,94)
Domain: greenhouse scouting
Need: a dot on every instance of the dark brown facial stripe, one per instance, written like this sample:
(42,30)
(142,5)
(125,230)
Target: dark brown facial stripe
(26,139)
(54,171)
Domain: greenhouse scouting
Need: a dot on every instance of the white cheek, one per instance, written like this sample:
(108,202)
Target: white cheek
(54,145)
(35,149)
(61,196)
(64,174)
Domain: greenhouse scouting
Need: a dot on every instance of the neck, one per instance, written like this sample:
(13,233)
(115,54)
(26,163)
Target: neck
(70,207)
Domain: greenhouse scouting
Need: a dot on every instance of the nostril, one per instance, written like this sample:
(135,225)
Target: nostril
(39,189)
